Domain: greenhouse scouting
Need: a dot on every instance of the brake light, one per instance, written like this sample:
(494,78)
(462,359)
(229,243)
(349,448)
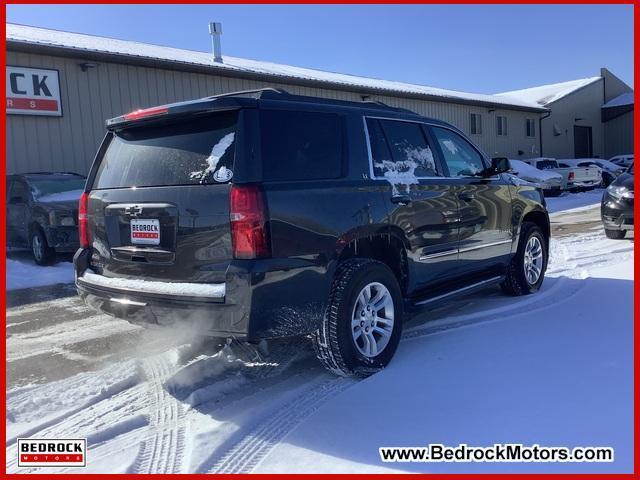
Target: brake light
(248,215)
(571,176)
(83,222)
(147,112)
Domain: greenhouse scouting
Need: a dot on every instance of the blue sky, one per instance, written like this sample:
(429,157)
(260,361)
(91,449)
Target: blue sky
(480,48)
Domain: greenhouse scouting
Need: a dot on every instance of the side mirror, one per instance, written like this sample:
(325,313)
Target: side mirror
(500,165)
(15,200)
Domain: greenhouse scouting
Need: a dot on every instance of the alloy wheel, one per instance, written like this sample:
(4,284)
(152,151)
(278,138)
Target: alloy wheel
(372,319)
(533,260)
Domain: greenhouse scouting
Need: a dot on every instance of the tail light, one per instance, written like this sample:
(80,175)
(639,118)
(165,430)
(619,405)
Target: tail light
(147,112)
(248,215)
(571,176)
(83,222)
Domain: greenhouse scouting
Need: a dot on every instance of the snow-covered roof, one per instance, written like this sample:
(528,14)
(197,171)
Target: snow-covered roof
(620,101)
(546,94)
(27,35)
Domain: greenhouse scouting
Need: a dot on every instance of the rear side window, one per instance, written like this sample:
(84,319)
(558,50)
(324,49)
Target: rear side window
(198,151)
(400,148)
(300,145)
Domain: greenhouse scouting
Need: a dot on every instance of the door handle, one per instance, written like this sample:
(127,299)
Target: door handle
(466,196)
(401,199)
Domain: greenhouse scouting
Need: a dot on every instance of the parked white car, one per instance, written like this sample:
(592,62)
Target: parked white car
(574,178)
(549,181)
(610,171)
(584,177)
(622,160)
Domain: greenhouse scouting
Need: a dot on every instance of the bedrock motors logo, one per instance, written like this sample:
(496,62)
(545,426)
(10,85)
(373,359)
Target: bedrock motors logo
(41,452)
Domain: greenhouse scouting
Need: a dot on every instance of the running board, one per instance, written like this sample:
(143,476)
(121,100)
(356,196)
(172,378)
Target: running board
(474,286)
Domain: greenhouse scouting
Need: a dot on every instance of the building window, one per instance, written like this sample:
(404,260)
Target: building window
(501,125)
(531,127)
(476,124)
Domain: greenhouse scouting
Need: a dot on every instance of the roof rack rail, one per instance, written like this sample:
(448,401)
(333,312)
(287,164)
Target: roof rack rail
(256,93)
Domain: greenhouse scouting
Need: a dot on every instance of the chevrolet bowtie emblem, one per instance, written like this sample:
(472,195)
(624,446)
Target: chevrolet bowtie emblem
(133,211)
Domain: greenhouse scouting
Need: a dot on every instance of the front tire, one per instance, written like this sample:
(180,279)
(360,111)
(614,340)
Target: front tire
(525,272)
(42,253)
(615,234)
(362,325)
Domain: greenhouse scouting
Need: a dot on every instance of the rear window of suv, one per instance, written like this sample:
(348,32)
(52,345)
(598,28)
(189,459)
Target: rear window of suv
(182,153)
(300,145)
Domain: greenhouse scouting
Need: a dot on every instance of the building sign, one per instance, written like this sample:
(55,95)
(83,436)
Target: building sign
(33,91)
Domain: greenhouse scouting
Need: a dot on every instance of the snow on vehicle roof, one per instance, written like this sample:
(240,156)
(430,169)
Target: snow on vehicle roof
(546,94)
(530,171)
(25,34)
(620,101)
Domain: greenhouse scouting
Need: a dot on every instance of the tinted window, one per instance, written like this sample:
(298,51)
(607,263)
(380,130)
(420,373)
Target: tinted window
(400,148)
(183,153)
(564,165)
(42,187)
(19,190)
(459,155)
(300,145)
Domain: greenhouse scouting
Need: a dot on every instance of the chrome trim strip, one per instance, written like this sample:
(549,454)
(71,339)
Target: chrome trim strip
(446,253)
(484,245)
(463,289)
(462,250)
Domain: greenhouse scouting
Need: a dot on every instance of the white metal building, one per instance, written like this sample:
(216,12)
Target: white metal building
(62,86)
(589,117)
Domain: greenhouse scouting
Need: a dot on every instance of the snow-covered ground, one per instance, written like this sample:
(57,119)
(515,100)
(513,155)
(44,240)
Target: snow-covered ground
(571,201)
(553,368)
(25,273)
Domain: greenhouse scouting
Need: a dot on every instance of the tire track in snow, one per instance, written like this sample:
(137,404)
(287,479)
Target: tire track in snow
(247,452)
(163,451)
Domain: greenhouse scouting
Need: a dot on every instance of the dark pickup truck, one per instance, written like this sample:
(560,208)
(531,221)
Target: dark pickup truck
(263,214)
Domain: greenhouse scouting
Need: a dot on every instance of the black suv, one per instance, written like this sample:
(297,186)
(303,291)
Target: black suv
(263,214)
(42,211)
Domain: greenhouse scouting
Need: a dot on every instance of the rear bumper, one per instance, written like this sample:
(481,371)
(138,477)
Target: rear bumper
(259,299)
(584,184)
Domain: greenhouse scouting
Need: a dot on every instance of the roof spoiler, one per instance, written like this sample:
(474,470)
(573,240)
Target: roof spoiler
(225,101)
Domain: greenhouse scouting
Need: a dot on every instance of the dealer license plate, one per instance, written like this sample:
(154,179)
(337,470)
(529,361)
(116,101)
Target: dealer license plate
(145,232)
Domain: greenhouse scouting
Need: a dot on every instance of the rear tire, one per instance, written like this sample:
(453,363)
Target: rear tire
(525,272)
(42,253)
(341,343)
(615,234)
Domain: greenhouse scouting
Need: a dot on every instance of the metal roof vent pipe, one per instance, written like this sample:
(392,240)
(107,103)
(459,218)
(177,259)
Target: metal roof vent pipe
(215,30)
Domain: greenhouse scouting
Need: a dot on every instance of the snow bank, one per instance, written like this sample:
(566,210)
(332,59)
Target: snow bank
(26,274)
(573,201)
